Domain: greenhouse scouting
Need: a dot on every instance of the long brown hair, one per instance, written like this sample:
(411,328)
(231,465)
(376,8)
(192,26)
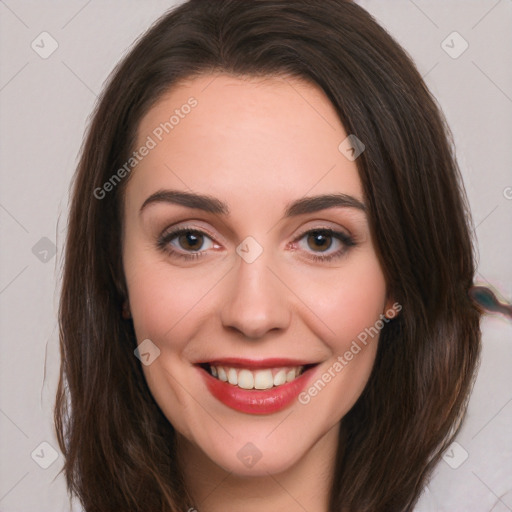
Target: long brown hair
(119,449)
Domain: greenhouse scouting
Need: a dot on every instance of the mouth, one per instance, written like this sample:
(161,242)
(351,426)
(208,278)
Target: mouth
(248,378)
(256,387)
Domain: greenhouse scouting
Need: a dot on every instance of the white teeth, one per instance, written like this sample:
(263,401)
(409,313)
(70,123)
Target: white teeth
(263,379)
(258,379)
(232,376)
(245,379)
(280,378)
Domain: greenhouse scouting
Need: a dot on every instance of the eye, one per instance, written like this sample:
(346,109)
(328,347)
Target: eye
(328,244)
(185,243)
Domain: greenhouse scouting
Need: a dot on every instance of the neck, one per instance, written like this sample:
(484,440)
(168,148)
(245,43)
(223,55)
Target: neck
(305,485)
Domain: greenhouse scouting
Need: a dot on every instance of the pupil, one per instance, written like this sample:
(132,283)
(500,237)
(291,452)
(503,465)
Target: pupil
(190,241)
(321,240)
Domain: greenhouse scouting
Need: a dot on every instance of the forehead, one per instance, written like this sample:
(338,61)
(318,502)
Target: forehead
(243,139)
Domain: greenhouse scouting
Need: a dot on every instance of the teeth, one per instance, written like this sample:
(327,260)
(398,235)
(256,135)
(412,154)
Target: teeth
(280,378)
(232,377)
(264,380)
(246,379)
(222,374)
(259,379)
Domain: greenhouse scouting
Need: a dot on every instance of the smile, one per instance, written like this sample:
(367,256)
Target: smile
(256,387)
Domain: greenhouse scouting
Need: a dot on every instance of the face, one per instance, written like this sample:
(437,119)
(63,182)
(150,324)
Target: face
(239,268)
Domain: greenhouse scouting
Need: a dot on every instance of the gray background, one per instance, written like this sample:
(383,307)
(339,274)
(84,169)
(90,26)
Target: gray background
(45,105)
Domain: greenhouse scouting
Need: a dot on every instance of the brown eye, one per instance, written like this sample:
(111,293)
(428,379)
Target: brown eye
(324,245)
(185,243)
(191,241)
(319,240)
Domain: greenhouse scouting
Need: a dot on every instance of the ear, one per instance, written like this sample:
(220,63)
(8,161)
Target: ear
(392,308)
(126,313)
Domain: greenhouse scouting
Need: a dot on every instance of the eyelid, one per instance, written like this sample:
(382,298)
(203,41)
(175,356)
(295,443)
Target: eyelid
(176,228)
(334,230)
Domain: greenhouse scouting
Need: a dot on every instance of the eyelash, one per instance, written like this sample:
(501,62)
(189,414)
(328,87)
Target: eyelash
(165,239)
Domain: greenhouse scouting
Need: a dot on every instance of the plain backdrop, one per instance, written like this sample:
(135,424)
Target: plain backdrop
(45,104)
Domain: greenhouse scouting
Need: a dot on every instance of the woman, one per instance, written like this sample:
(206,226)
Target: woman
(263,303)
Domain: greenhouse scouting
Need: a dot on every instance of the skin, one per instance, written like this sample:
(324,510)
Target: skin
(257,145)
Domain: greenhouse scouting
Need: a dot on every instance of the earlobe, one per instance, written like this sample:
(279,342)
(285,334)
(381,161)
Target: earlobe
(393,308)
(126,313)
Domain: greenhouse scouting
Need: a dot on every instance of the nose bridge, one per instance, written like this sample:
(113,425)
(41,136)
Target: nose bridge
(256,301)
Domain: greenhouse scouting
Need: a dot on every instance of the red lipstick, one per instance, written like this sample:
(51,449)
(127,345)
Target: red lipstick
(255,401)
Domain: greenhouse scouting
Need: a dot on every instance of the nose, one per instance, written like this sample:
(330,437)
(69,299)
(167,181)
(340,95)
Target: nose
(256,300)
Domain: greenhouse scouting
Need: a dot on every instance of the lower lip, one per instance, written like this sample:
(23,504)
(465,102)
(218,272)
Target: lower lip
(256,401)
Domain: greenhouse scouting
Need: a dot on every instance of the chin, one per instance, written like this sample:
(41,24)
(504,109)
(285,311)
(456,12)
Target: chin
(257,458)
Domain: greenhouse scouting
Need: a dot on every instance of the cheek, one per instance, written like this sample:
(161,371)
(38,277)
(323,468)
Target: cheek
(164,300)
(352,310)
(348,300)
(166,308)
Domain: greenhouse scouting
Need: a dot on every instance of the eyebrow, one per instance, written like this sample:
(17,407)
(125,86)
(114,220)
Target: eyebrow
(211,204)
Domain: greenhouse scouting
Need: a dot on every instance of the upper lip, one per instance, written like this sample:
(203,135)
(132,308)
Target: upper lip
(237,362)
